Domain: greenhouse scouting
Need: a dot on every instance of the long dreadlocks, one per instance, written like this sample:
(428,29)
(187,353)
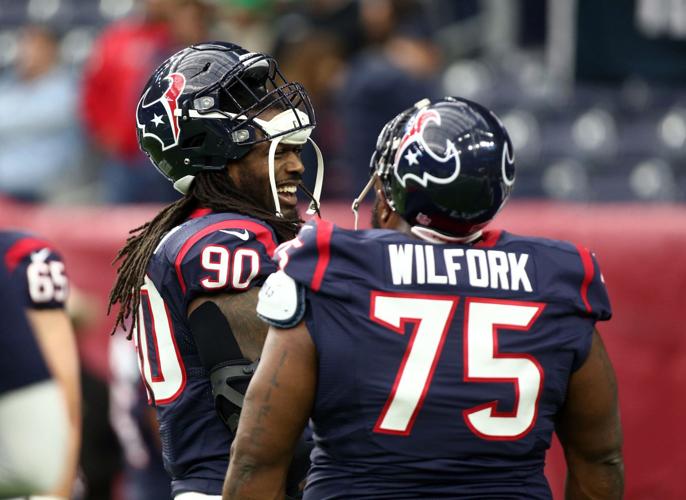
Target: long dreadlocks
(211,189)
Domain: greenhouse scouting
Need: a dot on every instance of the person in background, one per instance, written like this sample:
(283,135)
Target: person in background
(40,144)
(323,80)
(121,61)
(435,358)
(39,415)
(135,424)
(400,65)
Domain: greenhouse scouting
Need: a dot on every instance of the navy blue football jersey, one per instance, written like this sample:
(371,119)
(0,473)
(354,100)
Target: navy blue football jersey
(36,270)
(21,362)
(216,253)
(441,366)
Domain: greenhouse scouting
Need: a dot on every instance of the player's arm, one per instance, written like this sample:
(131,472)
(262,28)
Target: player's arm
(56,339)
(229,338)
(275,412)
(239,311)
(590,431)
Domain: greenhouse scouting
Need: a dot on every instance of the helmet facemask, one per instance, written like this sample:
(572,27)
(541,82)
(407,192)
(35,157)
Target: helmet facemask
(239,103)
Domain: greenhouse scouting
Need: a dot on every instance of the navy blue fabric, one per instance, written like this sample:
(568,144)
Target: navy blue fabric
(20,250)
(21,362)
(195,442)
(359,360)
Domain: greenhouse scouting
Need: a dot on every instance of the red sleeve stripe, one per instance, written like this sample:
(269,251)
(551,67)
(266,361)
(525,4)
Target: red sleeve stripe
(262,234)
(324,230)
(20,249)
(199,212)
(587,262)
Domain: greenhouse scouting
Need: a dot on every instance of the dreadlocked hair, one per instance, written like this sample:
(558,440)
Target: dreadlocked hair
(211,189)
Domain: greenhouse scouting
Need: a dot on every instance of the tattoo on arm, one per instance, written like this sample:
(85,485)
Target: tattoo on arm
(248,329)
(264,409)
(243,474)
(245,469)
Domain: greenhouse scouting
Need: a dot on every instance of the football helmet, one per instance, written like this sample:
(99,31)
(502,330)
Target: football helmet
(447,167)
(206,105)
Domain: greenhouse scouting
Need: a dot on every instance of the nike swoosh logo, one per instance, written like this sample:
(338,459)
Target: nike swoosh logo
(244,235)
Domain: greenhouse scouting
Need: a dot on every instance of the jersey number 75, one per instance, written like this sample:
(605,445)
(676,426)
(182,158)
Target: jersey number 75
(432,316)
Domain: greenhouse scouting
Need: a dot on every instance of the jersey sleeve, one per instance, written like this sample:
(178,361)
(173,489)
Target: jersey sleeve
(574,285)
(308,259)
(592,300)
(229,256)
(305,265)
(37,272)
(21,363)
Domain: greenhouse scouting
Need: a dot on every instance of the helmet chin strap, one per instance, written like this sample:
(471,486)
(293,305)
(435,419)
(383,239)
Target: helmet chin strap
(272,175)
(282,123)
(319,180)
(360,198)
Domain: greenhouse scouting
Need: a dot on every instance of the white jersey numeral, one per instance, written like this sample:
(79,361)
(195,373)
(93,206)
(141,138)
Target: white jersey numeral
(483,363)
(215,258)
(432,315)
(219,261)
(158,355)
(47,281)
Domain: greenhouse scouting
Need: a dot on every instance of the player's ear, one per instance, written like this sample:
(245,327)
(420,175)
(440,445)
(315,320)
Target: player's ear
(383,210)
(232,170)
(386,216)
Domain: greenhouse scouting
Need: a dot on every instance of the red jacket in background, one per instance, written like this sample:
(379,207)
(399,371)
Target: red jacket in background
(121,62)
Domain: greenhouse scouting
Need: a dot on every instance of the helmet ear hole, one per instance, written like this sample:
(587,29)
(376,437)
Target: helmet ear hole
(195,141)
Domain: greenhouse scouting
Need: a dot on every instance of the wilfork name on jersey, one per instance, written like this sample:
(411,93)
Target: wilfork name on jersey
(417,264)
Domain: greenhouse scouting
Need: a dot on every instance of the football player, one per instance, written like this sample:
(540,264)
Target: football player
(226,128)
(34,443)
(434,357)
(37,273)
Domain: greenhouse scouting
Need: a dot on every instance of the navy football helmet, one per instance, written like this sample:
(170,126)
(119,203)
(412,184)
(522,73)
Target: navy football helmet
(446,166)
(206,104)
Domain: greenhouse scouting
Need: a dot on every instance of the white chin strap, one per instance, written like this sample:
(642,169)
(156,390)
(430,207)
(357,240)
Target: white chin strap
(360,198)
(428,234)
(285,121)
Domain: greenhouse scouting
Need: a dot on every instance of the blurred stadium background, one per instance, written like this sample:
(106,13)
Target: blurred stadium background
(593,93)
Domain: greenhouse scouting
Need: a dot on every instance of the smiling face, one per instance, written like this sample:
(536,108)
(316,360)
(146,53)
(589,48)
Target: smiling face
(251,175)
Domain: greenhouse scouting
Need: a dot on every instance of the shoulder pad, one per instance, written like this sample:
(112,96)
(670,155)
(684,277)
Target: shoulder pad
(281,301)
